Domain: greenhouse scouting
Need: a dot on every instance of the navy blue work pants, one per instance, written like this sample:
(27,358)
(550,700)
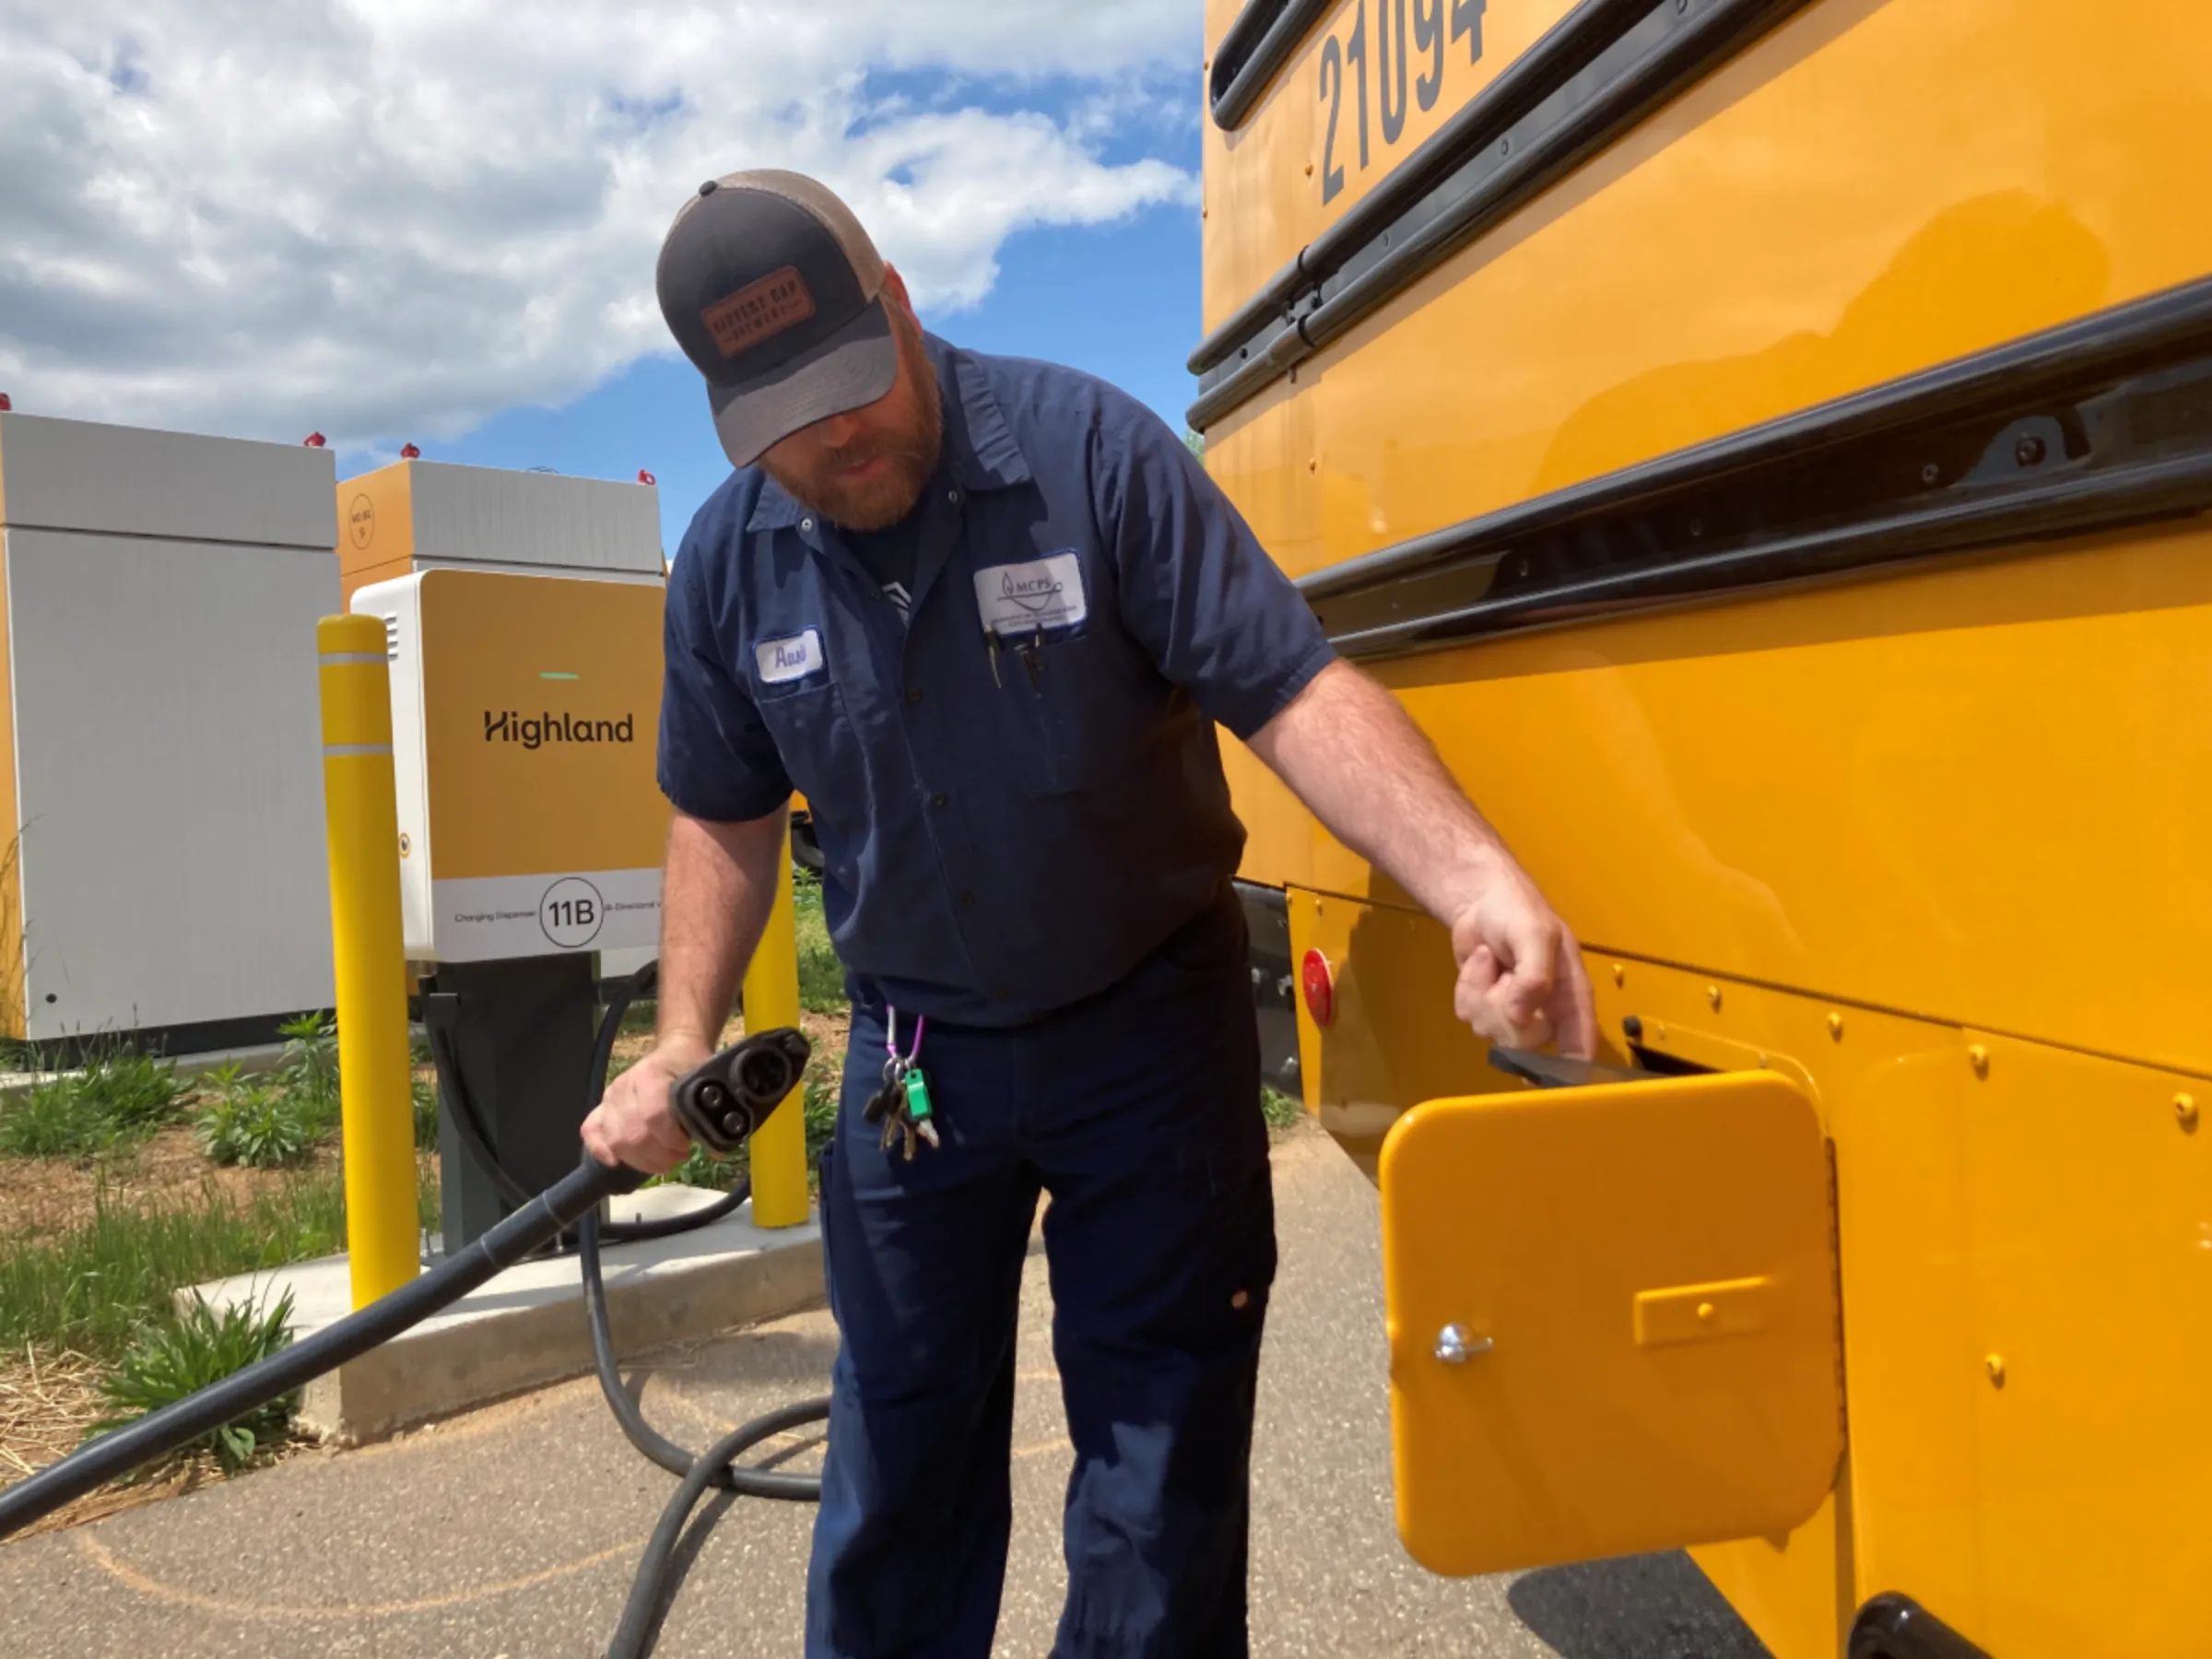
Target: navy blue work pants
(1137,1113)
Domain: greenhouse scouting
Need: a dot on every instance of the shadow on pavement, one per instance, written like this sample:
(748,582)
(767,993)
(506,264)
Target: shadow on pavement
(1650,1607)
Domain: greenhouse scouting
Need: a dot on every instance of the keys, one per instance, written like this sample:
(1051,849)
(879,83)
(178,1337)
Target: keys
(886,1098)
(903,1107)
(902,1104)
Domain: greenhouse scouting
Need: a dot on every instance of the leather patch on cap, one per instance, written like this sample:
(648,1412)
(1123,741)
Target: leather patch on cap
(759,310)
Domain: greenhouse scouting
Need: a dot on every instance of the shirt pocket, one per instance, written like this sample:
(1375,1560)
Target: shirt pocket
(1073,722)
(822,755)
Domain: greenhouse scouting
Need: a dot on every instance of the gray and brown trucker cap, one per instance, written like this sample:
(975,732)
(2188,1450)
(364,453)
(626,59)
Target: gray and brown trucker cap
(775,293)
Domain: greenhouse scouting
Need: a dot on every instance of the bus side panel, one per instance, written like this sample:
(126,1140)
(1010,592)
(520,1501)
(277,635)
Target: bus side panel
(1870,190)
(1974,792)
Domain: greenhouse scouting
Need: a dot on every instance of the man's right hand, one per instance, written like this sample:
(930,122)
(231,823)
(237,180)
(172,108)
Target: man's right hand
(635,1123)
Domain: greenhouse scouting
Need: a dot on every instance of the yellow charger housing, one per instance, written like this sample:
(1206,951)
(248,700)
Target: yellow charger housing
(525,710)
(522,614)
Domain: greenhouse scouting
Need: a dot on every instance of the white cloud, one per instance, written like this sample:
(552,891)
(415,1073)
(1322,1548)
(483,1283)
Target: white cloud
(399,218)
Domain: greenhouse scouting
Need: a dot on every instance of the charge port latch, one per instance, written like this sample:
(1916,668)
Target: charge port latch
(721,1103)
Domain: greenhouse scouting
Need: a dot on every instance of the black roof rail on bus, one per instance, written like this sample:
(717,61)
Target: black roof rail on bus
(1252,51)
(2100,423)
(1597,73)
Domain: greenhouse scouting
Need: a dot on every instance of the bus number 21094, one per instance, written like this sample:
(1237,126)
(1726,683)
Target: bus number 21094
(1411,38)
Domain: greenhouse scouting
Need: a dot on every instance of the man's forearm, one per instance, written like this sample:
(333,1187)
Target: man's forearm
(717,886)
(1354,757)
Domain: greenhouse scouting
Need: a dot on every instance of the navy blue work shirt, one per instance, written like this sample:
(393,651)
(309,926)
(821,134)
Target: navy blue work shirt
(1017,791)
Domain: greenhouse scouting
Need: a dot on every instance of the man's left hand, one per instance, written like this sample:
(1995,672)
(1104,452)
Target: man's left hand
(1521,978)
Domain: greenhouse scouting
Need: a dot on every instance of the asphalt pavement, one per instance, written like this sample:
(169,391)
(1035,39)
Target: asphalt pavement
(512,1532)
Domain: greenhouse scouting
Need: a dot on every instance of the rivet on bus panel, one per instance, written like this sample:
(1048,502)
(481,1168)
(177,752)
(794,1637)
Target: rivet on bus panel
(1978,1057)
(2184,1111)
(1835,1027)
(1712,996)
(1994,1365)
(1621,974)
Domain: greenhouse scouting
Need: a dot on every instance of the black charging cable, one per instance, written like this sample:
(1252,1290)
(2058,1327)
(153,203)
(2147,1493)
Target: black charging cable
(717,1468)
(721,1104)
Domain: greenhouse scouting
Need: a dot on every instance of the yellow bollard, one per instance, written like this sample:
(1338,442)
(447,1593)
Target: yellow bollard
(772,999)
(381,1230)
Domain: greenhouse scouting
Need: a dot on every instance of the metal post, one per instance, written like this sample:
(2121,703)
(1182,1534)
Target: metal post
(369,955)
(772,999)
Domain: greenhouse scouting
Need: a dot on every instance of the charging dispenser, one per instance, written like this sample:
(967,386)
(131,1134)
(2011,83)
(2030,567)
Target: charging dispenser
(522,621)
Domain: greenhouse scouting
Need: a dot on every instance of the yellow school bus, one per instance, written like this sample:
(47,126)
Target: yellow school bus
(1764,444)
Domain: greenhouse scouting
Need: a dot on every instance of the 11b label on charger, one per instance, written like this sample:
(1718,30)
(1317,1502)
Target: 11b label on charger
(501,918)
(571,913)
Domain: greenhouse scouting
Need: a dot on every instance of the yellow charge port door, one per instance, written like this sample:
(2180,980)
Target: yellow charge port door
(1613,1319)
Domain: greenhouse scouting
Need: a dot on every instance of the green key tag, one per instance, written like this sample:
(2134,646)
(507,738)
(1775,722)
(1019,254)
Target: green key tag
(917,1096)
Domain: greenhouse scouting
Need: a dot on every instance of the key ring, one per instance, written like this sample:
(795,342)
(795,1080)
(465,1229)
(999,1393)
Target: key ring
(890,1042)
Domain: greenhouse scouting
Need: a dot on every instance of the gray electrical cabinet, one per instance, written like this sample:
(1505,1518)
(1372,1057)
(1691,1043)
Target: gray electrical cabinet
(161,785)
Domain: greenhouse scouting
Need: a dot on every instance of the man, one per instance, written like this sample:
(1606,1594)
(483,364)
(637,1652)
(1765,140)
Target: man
(986,614)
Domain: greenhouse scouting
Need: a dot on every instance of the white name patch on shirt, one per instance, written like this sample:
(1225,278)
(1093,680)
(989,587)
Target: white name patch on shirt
(1022,598)
(791,659)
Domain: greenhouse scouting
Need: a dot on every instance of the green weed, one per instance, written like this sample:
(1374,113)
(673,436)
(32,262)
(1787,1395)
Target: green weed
(426,1114)
(308,1069)
(54,1121)
(249,1121)
(701,1167)
(424,1091)
(171,1357)
(118,1095)
(1280,1110)
(820,1107)
(430,1202)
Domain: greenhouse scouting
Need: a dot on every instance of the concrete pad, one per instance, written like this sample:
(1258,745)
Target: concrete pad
(525,1327)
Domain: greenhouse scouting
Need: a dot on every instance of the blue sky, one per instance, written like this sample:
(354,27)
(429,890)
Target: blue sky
(420,223)
(1119,300)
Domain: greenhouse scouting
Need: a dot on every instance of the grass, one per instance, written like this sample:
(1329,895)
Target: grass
(821,975)
(119,1095)
(425,1092)
(1280,1110)
(182,1353)
(94,1287)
